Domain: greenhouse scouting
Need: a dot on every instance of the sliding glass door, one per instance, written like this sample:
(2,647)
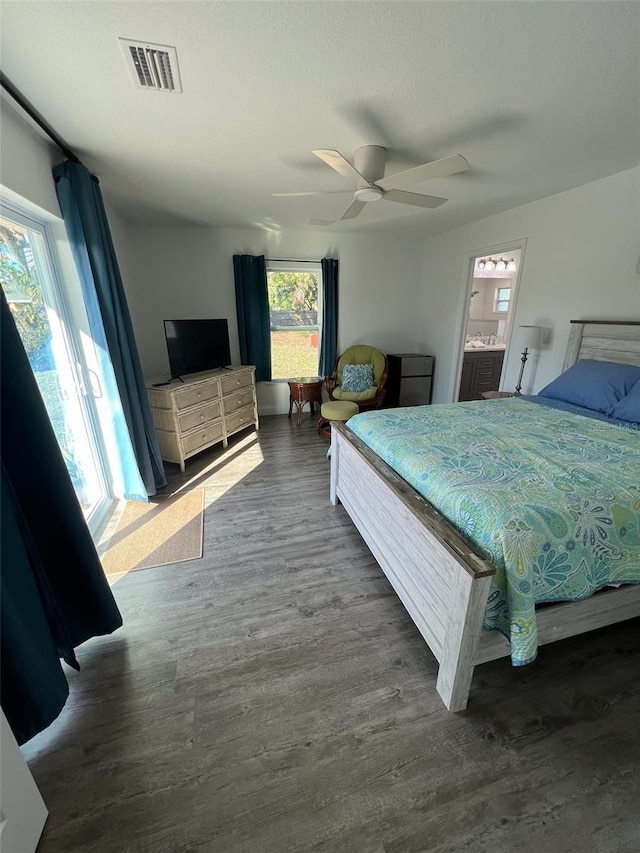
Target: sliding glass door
(41,309)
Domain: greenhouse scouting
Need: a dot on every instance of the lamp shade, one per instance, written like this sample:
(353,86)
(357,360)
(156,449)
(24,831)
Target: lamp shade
(530,337)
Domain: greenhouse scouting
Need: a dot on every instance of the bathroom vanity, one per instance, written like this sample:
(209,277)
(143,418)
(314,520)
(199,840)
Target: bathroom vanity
(481,370)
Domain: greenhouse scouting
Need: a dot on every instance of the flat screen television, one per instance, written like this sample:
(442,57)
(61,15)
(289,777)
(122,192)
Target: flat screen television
(197,345)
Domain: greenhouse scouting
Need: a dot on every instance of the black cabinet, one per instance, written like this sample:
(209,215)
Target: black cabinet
(481,372)
(410,379)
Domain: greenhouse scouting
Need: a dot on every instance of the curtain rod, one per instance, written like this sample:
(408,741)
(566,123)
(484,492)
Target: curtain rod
(292,261)
(11,90)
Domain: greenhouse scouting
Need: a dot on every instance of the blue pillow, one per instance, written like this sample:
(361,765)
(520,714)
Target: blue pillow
(357,378)
(596,385)
(628,408)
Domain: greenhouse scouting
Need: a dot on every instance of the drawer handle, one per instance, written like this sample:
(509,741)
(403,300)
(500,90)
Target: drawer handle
(201,417)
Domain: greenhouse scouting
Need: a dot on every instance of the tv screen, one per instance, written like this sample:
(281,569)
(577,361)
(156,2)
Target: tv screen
(197,345)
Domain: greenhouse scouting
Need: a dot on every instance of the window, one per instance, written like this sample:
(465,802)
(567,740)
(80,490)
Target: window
(501,302)
(40,307)
(294,312)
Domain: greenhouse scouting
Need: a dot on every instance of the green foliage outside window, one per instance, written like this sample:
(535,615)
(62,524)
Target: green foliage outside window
(23,290)
(293,291)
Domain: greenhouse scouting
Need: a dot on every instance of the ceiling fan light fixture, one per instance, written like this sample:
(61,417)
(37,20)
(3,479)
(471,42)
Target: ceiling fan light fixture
(369,194)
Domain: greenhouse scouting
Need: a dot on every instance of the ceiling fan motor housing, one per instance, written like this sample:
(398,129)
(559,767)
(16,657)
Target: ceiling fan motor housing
(370,160)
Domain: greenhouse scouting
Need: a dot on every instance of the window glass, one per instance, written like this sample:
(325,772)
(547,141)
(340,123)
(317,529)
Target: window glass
(294,308)
(503,295)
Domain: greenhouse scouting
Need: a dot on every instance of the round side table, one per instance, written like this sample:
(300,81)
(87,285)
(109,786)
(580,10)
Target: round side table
(304,389)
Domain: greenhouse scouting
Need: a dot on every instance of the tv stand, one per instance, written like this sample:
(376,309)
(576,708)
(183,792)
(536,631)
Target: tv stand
(202,409)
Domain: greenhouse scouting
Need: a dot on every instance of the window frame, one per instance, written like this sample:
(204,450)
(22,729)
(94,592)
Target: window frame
(65,304)
(314,267)
(500,300)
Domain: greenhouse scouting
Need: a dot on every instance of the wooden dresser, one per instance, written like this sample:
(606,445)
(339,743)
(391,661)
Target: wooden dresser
(201,410)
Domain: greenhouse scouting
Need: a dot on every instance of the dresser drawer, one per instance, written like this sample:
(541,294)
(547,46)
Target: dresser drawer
(234,383)
(201,438)
(196,394)
(240,419)
(199,416)
(238,401)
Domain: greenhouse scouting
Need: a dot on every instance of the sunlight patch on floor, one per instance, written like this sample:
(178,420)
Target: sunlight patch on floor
(215,480)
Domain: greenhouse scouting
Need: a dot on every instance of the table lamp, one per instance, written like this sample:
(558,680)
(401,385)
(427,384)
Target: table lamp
(531,338)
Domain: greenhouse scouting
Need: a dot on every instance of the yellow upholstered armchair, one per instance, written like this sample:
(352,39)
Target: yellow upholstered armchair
(361,386)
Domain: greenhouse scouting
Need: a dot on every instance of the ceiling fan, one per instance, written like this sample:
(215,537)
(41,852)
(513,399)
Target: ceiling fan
(366,173)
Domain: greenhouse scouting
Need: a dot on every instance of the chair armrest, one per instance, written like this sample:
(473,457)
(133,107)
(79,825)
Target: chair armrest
(329,383)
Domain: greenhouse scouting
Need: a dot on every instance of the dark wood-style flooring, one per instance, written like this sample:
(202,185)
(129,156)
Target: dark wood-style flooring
(274,696)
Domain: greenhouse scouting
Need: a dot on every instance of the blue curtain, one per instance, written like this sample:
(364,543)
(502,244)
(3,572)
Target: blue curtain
(53,592)
(329,340)
(87,228)
(252,305)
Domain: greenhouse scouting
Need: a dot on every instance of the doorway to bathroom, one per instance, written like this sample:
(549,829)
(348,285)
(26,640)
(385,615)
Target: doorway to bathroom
(489,311)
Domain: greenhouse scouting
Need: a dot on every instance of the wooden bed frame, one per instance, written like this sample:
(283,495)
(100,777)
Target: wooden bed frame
(440,578)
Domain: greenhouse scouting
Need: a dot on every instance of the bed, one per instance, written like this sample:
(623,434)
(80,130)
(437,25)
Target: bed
(447,580)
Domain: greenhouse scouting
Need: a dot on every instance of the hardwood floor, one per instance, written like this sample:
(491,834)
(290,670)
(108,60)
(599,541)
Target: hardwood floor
(274,696)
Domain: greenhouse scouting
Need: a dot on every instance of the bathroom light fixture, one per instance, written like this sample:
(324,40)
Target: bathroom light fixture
(530,338)
(497,264)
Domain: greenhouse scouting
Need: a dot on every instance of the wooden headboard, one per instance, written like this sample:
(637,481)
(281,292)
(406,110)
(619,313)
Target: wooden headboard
(604,340)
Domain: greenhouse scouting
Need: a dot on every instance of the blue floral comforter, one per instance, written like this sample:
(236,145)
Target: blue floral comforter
(551,498)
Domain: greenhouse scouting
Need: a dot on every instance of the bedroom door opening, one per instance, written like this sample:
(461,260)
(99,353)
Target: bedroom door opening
(488,321)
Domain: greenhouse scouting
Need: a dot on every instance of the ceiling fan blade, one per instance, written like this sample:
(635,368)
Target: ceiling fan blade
(341,165)
(320,192)
(354,209)
(416,199)
(437,169)
(321,222)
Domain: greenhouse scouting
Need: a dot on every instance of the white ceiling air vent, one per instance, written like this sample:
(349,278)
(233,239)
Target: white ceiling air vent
(152,66)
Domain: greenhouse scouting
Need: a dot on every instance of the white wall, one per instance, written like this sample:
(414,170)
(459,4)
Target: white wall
(26,161)
(187,272)
(580,262)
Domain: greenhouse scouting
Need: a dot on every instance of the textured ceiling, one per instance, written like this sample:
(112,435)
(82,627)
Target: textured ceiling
(538,96)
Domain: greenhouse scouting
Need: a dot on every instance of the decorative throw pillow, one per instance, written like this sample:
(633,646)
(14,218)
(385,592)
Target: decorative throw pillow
(357,378)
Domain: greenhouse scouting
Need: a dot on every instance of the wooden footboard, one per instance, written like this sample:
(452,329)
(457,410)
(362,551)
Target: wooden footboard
(441,580)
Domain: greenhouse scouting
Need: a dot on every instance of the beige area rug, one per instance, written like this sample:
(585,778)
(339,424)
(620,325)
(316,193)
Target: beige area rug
(166,530)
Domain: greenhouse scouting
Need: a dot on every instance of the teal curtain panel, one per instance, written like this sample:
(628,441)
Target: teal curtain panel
(252,305)
(53,594)
(329,339)
(88,232)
